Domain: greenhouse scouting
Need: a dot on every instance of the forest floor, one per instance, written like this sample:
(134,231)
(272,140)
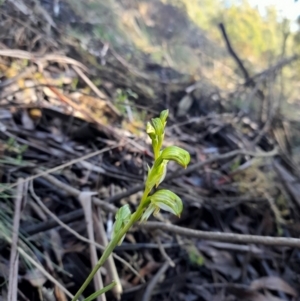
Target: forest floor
(73,149)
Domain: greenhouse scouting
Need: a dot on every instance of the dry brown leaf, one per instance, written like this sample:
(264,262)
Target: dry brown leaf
(59,294)
(260,297)
(49,93)
(3,68)
(273,283)
(146,270)
(134,127)
(57,246)
(35,114)
(221,261)
(85,198)
(35,277)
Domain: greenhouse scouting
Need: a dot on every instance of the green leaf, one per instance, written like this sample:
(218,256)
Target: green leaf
(163,199)
(100,292)
(168,201)
(177,154)
(151,208)
(123,216)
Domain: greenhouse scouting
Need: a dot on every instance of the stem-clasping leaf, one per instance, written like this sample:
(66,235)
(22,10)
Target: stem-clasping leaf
(123,216)
(158,171)
(163,199)
(156,174)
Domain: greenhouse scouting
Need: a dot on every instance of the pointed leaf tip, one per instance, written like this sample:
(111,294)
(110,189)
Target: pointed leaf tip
(163,116)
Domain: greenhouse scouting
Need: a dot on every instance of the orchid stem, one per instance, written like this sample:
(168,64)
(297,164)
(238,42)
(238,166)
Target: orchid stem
(111,246)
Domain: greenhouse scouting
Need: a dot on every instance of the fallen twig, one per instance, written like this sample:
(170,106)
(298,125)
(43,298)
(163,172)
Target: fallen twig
(276,67)
(14,256)
(163,252)
(225,237)
(110,265)
(85,199)
(153,282)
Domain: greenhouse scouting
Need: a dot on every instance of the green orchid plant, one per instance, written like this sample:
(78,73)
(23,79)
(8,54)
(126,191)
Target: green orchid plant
(151,202)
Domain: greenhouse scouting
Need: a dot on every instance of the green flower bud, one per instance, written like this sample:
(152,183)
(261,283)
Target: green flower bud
(156,174)
(158,126)
(163,117)
(150,131)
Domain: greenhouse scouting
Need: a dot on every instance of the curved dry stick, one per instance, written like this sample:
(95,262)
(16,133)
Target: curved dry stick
(225,237)
(14,256)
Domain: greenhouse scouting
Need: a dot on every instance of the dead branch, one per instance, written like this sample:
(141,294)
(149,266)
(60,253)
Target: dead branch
(249,81)
(154,281)
(276,67)
(225,237)
(14,256)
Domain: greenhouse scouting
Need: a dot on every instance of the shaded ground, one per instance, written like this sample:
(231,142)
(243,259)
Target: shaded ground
(74,126)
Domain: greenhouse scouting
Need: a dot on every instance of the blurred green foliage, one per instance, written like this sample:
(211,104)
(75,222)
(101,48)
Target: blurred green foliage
(256,37)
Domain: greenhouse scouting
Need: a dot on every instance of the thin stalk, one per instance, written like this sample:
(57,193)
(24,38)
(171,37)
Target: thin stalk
(170,201)
(113,243)
(100,292)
